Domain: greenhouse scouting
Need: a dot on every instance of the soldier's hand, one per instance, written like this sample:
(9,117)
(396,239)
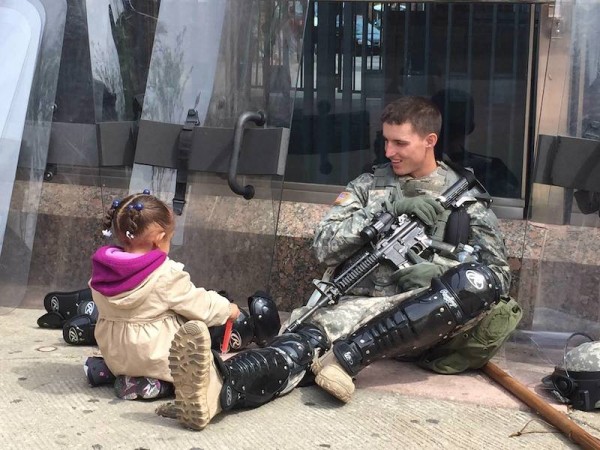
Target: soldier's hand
(424,207)
(418,276)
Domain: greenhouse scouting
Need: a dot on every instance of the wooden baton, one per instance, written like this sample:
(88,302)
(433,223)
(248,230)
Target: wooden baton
(548,413)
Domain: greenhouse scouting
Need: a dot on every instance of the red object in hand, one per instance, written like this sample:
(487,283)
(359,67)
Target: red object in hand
(226,336)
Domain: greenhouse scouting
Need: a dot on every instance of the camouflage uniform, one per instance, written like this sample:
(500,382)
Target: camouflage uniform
(338,237)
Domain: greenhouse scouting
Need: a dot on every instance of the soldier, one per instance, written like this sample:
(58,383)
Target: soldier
(448,315)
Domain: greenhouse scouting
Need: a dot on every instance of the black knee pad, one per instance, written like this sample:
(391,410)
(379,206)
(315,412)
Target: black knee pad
(242,333)
(88,307)
(51,320)
(265,315)
(62,306)
(80,330)
(318,341)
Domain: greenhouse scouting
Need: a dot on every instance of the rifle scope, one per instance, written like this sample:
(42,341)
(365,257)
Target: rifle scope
(381,222)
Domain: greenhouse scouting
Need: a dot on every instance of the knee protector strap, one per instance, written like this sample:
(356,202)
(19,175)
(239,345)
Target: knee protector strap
(316,337)
(88,307)
(320,343)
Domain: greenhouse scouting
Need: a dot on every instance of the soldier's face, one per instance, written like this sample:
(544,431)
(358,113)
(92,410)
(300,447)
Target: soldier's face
(410,153)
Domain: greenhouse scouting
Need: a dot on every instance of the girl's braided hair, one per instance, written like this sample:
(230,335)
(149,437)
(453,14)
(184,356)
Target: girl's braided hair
(131,217)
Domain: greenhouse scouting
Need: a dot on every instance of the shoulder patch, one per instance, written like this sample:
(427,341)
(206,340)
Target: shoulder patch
(343,199)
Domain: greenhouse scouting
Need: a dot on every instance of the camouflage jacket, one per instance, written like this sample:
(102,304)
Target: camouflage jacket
(337,236)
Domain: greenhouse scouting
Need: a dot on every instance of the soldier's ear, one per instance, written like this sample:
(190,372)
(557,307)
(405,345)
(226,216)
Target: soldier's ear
(431,139)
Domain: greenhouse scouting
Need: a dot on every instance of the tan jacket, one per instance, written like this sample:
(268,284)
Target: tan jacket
(135,329)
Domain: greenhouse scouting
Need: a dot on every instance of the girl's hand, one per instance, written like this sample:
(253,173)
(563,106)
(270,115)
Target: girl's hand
(234,311)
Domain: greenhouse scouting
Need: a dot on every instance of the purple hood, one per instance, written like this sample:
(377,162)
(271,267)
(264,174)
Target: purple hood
(115,271)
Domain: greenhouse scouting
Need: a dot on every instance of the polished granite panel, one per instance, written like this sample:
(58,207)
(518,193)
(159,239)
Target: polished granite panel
(554,268)
(227,243)
(559,281)
(229,248)
(294,269)
(293,253)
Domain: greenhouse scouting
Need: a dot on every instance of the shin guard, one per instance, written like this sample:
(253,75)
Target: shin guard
(254,377)
(456,300)
(260,325)
(80,330)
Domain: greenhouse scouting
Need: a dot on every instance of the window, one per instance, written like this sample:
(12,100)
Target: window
(471,59)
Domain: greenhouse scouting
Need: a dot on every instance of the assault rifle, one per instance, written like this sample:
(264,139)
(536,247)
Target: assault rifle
(388,238)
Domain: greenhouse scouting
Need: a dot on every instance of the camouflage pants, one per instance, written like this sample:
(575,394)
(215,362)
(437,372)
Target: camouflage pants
(350,313)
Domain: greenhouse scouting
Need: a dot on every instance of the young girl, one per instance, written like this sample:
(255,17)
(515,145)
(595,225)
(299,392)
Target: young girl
(143,297)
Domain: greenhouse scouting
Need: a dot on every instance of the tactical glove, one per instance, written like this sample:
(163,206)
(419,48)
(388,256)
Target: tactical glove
(418,276)
(425,208)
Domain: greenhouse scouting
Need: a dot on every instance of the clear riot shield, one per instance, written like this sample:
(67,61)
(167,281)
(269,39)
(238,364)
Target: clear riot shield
(31,37)
(91,109)
(558,279)
(121,36)
(233,65)
(76,152)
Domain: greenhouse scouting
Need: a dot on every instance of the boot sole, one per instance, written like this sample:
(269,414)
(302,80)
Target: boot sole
(190,361)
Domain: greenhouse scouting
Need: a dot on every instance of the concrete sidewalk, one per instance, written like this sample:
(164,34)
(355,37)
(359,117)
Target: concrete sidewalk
(45,402)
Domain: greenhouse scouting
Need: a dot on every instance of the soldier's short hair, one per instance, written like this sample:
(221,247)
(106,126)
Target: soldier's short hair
(420,112)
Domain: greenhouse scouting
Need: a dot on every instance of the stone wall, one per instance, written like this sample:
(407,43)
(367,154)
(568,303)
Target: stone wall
(555,269)
(295,265)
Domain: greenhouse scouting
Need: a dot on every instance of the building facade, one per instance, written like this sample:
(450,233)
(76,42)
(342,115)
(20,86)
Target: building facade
(97,92)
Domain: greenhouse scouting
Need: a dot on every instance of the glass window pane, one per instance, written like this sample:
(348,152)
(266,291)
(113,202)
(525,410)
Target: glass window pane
(471,59)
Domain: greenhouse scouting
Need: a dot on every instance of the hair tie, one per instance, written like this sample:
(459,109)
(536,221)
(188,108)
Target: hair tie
(116,203)
(137,206)
(129,235)
(146,192)
(107,233)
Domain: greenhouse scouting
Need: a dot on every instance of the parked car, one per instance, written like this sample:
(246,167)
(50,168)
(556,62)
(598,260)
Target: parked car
(372,37)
